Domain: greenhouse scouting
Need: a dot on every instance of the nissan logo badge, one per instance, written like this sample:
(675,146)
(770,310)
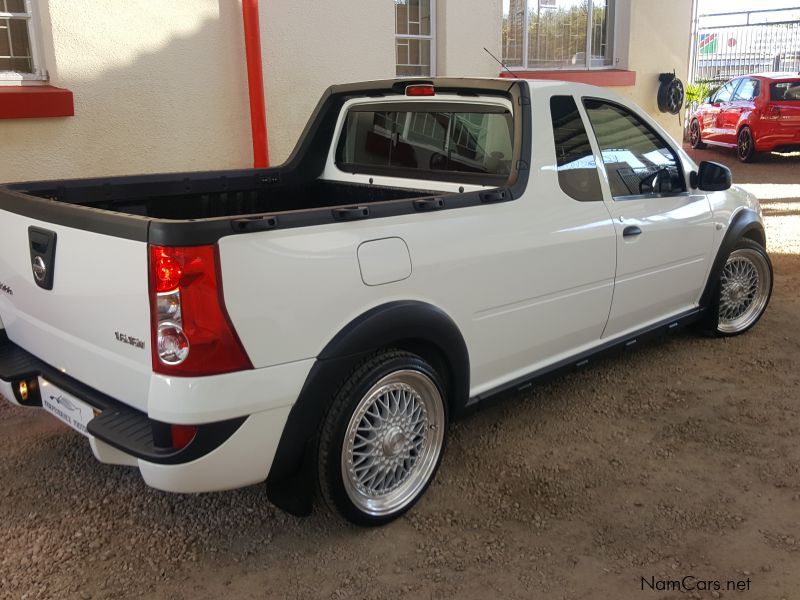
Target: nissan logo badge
(39,269)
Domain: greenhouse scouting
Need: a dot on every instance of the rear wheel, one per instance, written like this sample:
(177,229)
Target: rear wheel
(745,287)
(745,145)
(694,135)
(383,438)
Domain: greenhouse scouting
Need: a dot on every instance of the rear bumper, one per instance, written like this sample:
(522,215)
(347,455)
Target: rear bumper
(787,148)
(244,459)
(778,139)
(224,454)
(778,146)
(128,430)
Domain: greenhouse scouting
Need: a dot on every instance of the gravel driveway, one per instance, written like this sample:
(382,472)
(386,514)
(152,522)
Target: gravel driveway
(679,459)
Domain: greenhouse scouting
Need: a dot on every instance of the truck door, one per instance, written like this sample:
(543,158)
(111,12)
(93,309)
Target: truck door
(544,276)
(664,232)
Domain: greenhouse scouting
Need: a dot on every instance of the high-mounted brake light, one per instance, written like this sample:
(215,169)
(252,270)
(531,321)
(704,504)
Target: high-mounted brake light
(192,334)
(420,89)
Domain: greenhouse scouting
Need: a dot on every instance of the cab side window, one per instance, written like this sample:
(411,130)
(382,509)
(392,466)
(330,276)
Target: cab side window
(637,160)
(577,170)
(748,90)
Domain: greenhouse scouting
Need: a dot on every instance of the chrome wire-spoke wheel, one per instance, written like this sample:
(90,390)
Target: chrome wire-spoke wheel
(745,286)
(393,442)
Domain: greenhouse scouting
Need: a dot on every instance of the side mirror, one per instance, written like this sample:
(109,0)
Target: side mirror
(711,177)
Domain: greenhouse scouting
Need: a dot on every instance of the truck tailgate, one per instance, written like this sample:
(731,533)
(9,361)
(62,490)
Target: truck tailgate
(94,324)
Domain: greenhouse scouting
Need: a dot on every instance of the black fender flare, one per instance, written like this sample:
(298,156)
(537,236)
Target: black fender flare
(411,325)
(745,224)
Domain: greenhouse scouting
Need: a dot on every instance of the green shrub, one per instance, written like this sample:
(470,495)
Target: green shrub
(698,91)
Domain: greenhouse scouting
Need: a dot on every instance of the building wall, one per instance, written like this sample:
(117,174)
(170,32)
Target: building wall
(161,86)
(462,35)
(659,35)
(157,87)
(310,45)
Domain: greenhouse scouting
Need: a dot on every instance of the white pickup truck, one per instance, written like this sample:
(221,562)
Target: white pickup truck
(428,246)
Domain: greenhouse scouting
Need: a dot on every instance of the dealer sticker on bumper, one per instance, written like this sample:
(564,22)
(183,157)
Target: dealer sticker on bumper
(66,407)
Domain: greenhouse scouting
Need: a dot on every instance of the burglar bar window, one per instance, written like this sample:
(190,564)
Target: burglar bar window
(17,50)
(558,34)
(415,23)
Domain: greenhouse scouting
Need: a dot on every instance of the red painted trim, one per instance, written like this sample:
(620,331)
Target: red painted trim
(255,83)
(604,77)
(34,101)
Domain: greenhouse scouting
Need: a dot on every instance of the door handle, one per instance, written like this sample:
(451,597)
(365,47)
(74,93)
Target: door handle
(631,230)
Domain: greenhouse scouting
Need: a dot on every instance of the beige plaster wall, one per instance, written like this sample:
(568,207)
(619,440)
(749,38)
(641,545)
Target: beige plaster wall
(161,86)
(157,87)
(660,35)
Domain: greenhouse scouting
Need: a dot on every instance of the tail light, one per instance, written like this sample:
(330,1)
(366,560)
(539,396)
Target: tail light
(192,333)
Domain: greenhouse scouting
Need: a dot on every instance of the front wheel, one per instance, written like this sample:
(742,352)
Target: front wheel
(383,438)
(745,145)
(745,287)
(694,135)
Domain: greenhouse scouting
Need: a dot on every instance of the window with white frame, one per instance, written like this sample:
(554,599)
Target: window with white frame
(19,55)
(415,43)
(558,34)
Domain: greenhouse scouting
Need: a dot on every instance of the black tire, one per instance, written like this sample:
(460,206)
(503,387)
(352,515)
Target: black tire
(745,145)
(671,94)
(721,323)
(695,138)
(337,489)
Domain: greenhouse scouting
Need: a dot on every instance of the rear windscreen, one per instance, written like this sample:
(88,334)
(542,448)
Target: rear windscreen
(423,143)
(786,90)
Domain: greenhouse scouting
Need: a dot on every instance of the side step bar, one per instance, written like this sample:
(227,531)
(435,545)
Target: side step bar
(584,359)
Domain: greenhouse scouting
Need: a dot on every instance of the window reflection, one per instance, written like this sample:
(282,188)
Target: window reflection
(577,169)
(468,142)
(637,160)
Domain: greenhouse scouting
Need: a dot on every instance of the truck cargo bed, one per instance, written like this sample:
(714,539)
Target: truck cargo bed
(201,207)
(203,197)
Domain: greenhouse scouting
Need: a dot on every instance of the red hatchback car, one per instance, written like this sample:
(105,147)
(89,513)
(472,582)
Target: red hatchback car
(753,113)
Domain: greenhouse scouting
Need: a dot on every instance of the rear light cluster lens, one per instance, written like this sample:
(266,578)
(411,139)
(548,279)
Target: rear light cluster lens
(192,333)
(182,435)
(173,345)
(166,270)
(169,306)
